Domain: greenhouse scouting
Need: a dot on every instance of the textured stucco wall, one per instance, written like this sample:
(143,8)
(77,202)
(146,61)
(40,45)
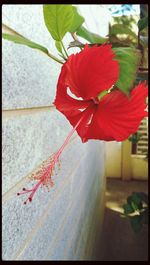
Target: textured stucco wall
(62,224)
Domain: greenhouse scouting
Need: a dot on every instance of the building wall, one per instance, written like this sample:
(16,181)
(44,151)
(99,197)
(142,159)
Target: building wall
(113,162)
(62,224)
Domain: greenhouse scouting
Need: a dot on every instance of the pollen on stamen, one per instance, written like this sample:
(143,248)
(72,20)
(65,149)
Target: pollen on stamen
(43,176)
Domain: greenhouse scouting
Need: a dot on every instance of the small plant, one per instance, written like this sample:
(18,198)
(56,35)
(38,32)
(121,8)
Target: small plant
(134,138)
(136,210)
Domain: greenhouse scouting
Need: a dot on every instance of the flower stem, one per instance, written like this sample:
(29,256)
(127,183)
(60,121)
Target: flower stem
(12,32)
(66,141)
(71,133)
(54,58)
(74,36)
(64,49)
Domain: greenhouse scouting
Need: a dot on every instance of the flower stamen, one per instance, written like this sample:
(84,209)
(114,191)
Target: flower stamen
(44,176)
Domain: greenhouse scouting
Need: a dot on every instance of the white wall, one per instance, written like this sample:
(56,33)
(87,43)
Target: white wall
(97,18)
(63,223)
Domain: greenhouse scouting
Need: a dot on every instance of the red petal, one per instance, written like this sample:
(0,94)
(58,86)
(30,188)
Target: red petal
(117,117)
(91,71)
(83,126)
(63,102)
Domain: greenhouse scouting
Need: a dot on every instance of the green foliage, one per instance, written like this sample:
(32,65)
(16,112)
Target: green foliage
(62,18)
(128,209)
(89,36)
(136,209)
(129,59)
(143,23)
(77,20)
(58,46)
(134,138)
(122,29)
(121,33)
(58,19)
(128,21)
(24,41)
(135,200)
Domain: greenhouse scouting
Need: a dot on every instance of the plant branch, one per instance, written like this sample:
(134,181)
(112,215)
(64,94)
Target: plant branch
(12,32)
(64,49)
(74,36)
(54,58)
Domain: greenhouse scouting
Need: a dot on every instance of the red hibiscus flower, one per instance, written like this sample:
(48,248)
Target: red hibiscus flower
(114,116)
(107,116)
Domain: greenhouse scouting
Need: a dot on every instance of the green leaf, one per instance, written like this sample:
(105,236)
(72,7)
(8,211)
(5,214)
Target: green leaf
(143,23)
(136,198)
(24,41)
(129,59)
(77,20)
(136,223)
(58,19)
(134,205)
(89,36)
(129,199)
(135,138)
(122,29)
(58,46)
(128,209)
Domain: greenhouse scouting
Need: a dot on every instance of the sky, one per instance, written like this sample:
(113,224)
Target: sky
(119,10)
